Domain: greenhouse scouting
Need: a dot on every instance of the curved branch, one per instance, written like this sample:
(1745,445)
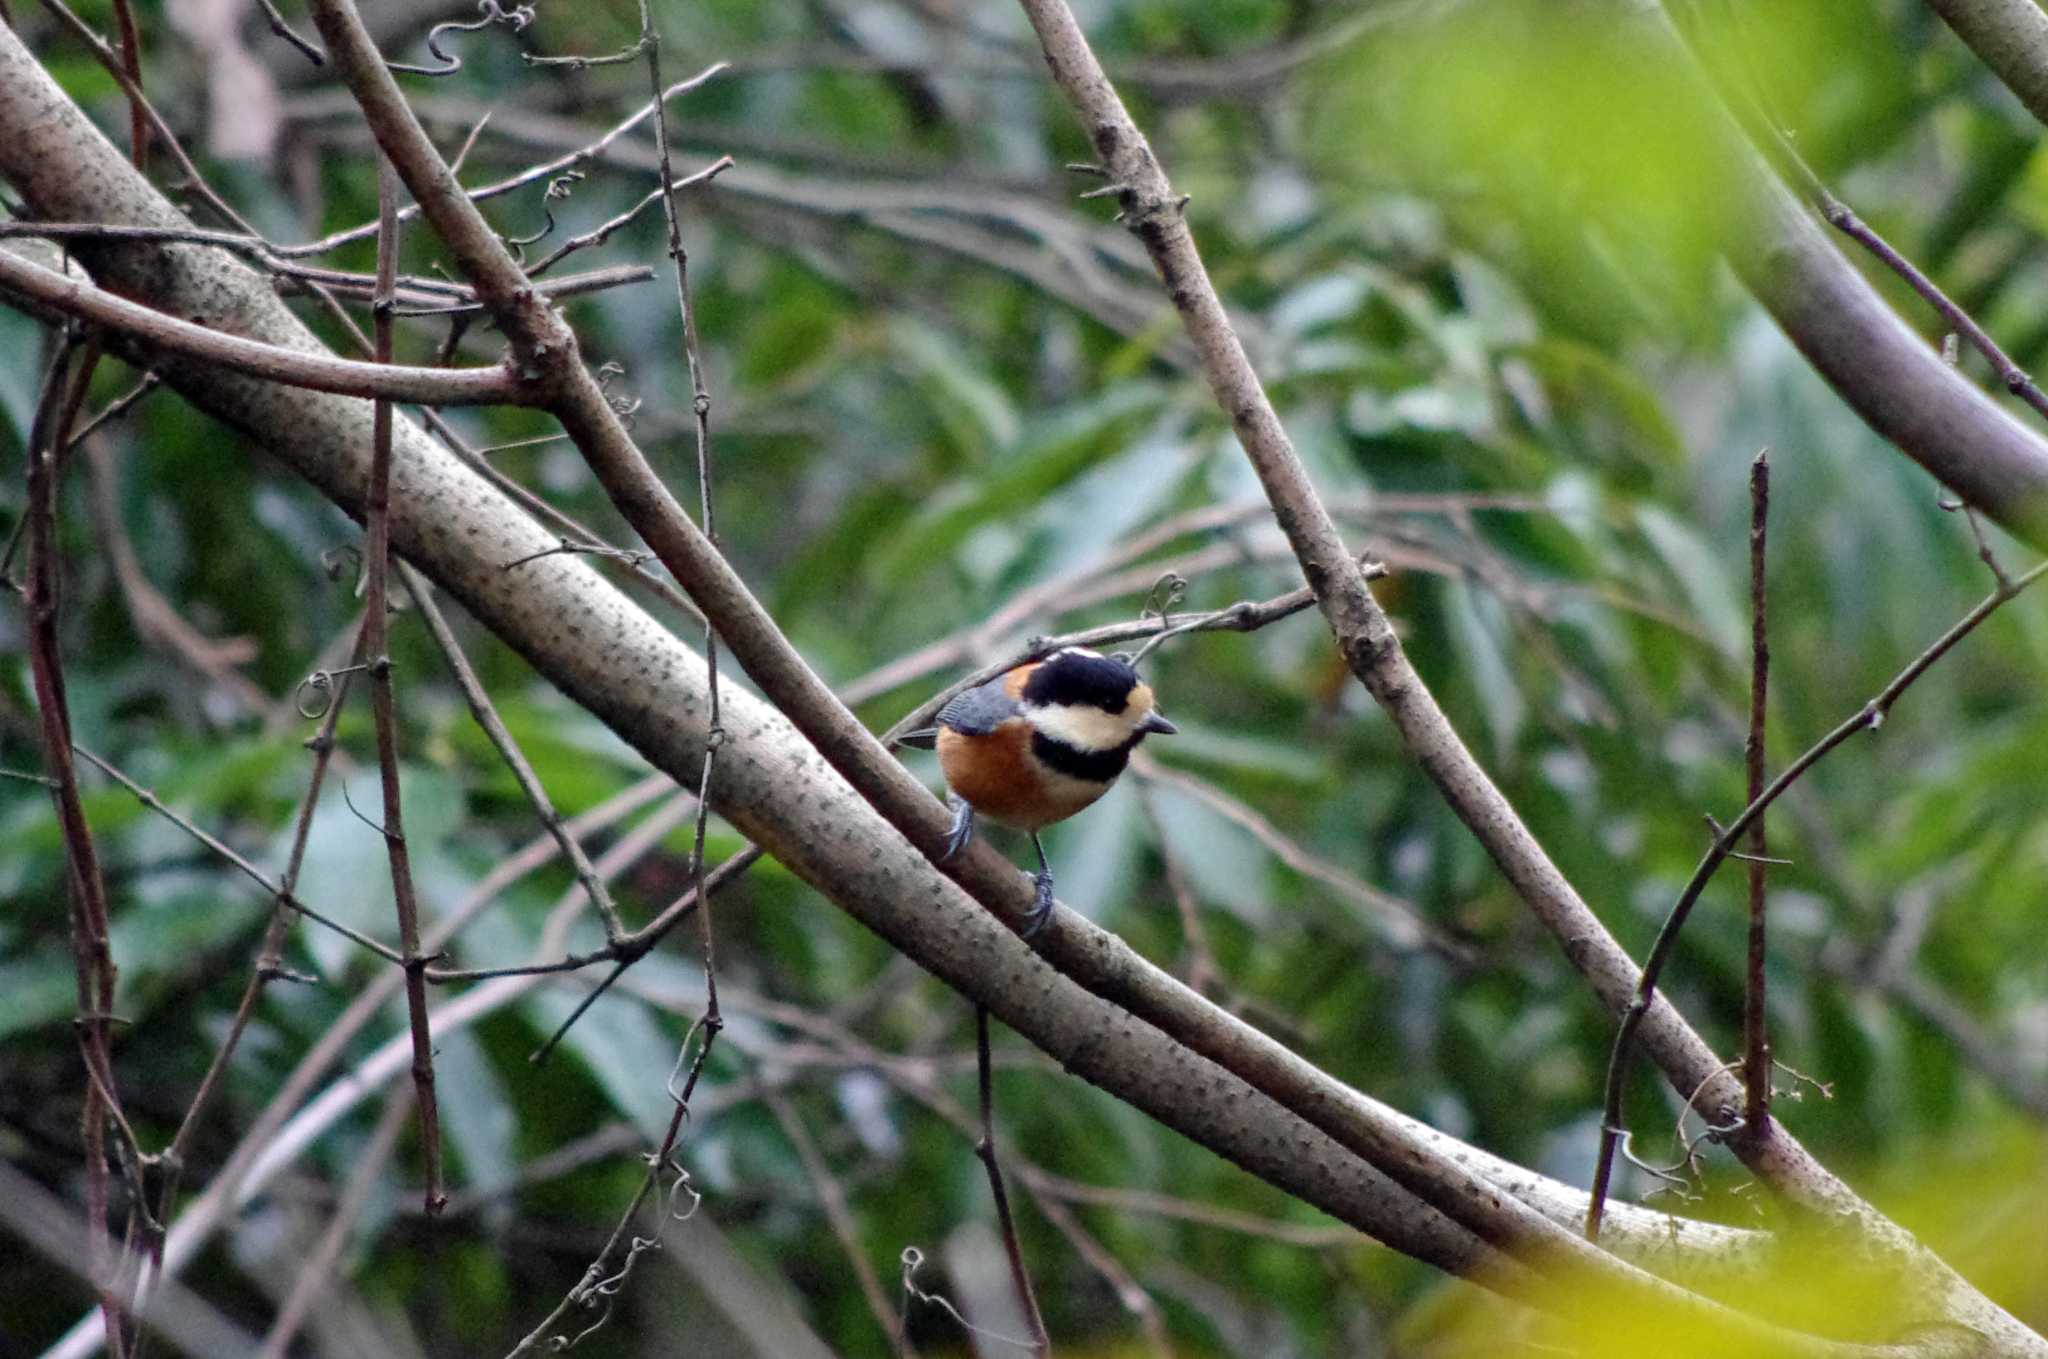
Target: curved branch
(2009,36)
(1893,379)
(315,370)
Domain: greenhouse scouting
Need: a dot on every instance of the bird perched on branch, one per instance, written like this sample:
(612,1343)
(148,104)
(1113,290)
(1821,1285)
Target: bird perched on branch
(1037,744)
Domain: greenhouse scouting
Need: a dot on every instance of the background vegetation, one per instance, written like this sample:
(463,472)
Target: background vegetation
(1493,322)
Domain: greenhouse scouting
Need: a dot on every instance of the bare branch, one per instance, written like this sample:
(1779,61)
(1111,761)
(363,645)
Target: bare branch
(1401,922)
(1867,718)
(383,704)
(318,372)
(486,716)
(1756,1043)
(985,1148)
(2010,37)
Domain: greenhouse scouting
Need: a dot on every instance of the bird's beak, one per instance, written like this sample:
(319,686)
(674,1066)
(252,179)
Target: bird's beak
(1154,722)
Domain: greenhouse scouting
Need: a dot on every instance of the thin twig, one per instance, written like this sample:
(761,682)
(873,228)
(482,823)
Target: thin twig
(604,231)
(56,409)
(1868,717)
(383,705)
(2011,376)
(1122,1282)
(114,410)
(700,404)
(269,964)
(486,716)
(131,62)
(1402,923)
(1756,1046)
(285,31)
(584,154)
(985,1148)
(1243,616)
(277,890)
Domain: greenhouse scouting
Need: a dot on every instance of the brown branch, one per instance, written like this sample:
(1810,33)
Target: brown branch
(320,372)
(422,295)
(131,62)
(985,1150)
(285,31)
(56,409)
(1756,1045)
(383,705)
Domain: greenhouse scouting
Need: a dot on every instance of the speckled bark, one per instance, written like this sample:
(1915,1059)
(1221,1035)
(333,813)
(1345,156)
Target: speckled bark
(2009,36)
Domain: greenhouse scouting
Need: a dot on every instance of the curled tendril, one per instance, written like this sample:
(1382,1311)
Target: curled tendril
(913,1260)
(315,695)
(682,1053)
(336,561)
(682,1185)
(1166,592)
(516,18)
(601,1291)
(559,188)
(623,405)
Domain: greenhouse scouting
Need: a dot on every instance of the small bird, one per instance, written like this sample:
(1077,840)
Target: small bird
(1038,743)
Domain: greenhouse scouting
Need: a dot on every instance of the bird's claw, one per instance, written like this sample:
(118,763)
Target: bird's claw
(1041,908)
(962,830)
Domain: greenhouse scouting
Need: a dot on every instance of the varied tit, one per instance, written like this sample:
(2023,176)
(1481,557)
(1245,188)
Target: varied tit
(1037,744)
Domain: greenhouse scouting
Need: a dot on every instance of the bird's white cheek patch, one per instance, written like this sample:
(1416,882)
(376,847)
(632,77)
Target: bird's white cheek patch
(1083,728)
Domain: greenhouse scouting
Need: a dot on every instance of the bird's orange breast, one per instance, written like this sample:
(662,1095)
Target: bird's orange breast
(999,777)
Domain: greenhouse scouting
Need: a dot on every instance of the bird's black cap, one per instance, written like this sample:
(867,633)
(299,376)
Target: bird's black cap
(1075,678)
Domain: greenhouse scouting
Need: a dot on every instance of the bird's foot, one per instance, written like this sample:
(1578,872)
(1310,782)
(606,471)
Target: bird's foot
(1041,909)
(962,830)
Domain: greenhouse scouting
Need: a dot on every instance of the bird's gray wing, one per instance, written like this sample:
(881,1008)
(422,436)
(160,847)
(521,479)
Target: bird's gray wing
(975,712)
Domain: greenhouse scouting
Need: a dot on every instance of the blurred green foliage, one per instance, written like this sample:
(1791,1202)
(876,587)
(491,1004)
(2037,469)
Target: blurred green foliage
(1481,281)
